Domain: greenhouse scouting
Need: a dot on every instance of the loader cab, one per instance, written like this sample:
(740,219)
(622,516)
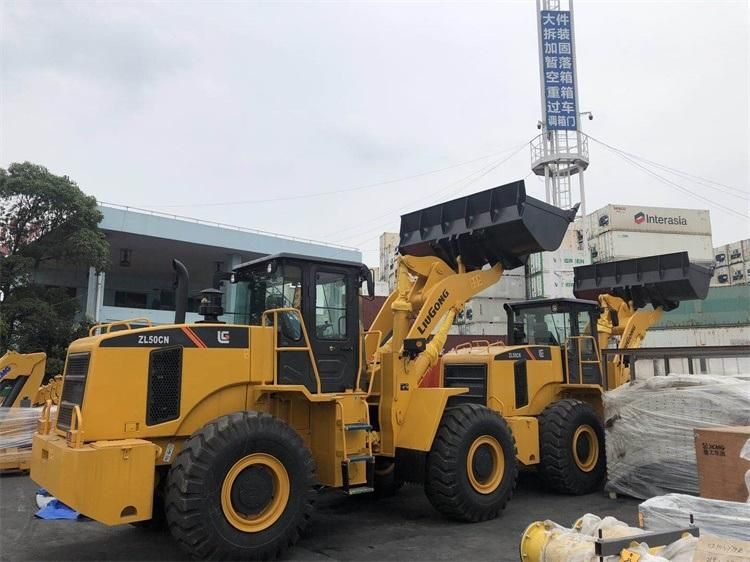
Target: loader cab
(570,324)
(326,294)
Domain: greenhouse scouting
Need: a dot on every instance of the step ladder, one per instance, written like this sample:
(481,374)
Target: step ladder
(356,456)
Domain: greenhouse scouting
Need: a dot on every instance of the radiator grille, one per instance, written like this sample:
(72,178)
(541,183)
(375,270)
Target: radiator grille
(473,376)
(164,385)
(74,384)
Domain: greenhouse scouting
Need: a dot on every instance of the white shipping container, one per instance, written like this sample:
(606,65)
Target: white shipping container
(649,219)
(738,274)
(619,245)
(720,256)
(511,286)
(734,253)
(491,330)
(481,309)
(720,276)
(381,289)
(559,260)
(551,284)
(746,248)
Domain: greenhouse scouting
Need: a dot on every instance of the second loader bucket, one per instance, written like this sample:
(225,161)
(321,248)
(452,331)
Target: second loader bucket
(662,280)
(498,225)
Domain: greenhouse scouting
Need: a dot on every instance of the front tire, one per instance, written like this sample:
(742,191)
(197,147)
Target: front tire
(572,447)
(471,469)
(242,488)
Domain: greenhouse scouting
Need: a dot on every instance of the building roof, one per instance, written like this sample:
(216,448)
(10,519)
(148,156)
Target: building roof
(143,222)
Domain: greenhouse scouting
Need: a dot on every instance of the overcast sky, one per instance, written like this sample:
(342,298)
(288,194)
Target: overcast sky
(174,105)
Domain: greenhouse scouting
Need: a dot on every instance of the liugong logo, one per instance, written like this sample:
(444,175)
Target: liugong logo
(640,217)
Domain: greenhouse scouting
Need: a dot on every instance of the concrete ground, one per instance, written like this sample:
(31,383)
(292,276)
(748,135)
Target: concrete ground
(404,527)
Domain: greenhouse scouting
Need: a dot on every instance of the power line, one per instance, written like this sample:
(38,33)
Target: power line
(667,181)
(482,173)
(397,209)
(728,189)
(334,191)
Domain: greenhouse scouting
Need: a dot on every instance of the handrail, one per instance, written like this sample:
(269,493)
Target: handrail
(75,431)
(109,325)
(275,312)
(477,343)
(362,347)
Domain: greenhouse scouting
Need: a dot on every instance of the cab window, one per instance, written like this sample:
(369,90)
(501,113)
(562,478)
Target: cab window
(330,305)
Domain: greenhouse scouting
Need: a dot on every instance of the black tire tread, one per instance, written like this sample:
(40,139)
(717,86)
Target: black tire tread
(182,499)
(556,467)
(441,483)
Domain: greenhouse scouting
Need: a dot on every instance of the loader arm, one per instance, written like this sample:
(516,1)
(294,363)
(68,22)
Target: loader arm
(629,325)
(449,253)
(624,289)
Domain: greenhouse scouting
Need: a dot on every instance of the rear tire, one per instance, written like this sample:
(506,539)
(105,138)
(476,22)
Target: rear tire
(571,439)
(471,469)
(242,488)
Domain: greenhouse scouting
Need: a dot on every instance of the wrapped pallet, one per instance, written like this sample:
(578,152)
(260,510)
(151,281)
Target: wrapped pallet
(17,426)
(716,517)
(649,429)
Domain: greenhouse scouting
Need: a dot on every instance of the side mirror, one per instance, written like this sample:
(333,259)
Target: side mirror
(366,275)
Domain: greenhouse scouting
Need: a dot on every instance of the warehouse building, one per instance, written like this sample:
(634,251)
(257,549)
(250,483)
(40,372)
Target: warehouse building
(139,281)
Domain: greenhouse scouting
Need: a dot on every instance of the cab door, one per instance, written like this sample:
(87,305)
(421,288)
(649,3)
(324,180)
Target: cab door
(334,326)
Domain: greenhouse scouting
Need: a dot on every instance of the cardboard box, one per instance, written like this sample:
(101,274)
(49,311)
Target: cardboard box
(721,471)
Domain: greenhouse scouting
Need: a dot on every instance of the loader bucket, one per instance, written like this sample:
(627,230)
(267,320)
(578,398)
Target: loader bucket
(662,280)
(498,225)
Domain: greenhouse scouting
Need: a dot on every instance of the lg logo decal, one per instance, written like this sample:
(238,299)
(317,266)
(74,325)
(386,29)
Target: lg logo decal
(223,336)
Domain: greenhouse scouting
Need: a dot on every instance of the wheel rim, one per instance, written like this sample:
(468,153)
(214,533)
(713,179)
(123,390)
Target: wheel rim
(585,448)
(485,464)
(255,492)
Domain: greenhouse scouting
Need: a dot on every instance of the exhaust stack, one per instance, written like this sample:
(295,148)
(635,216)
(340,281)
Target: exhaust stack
(498,225)
(662,280)
(181,291)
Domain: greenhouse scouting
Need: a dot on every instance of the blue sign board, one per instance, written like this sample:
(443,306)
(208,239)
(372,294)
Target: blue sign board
(558,71)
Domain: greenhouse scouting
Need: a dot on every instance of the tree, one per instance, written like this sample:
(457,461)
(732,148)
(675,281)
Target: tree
(43,218)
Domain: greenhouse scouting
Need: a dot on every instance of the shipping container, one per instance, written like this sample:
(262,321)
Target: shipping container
(559,260)
(734,253)
(483,309)
(737,274)
(720,276)
(492,331)
(649,219)
(550,284)
(511,286)
(720,256)
(619,245)
(746,248)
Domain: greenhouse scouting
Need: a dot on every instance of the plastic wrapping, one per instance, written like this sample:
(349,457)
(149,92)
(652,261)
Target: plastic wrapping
(745,454)
(649,429)
(563,544)
(716,517)
(17,425)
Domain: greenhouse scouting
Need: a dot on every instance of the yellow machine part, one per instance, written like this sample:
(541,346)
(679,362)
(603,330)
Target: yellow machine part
(109,481)
(26,366)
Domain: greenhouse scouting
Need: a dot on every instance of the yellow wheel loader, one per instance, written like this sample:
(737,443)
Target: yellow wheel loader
(225,430)
(547,382)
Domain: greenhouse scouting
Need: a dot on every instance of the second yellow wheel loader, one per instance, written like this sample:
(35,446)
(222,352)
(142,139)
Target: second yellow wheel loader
(547,382)
(224,430)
